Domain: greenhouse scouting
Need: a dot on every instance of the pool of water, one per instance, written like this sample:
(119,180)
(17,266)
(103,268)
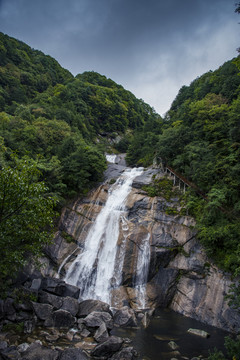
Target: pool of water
(166,325)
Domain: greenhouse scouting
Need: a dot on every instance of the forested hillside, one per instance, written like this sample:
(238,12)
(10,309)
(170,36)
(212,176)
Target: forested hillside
(55,128)
(200,138)
(62,120)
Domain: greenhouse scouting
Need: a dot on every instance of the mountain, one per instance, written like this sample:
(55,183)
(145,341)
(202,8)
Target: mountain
(66,120)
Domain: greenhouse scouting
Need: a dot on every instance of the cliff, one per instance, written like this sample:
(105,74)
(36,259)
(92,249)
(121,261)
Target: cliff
(180,275)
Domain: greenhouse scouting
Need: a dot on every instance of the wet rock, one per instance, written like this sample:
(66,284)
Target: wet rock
(38,352)
(36,284)
(101,334)
(88,306)
(59,287)
(162,287)
(3,345)
(96,318)
(22,347)
(128,353)
(29,325)
(43,311)
(47,298)
(73,354)
(85,333)
(9,310)
(198,332)
(62,319)
(71,305)
(173,345)
(125,317)
(10,353)
(108,347)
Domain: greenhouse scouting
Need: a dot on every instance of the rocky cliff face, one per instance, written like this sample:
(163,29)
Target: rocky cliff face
(180,274)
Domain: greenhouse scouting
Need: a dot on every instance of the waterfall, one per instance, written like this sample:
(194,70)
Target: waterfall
(111,158)
(142,269)
(95,269)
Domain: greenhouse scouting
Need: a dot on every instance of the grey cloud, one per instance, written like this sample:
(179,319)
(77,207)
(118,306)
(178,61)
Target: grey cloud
(151,47)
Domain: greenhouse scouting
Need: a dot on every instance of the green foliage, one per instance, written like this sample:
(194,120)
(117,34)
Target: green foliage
(162,187)
(26,215)
(232,349)
(68,121)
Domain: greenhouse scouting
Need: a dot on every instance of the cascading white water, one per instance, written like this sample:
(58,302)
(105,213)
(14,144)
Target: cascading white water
(111,158)
(142,269)
(94,270)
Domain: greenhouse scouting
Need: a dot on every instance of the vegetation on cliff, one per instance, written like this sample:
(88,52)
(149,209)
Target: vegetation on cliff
(200,138)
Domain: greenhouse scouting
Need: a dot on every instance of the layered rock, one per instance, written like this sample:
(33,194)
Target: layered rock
(180,274)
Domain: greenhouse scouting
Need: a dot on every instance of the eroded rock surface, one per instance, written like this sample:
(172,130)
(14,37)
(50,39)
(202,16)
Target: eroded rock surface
(180,274)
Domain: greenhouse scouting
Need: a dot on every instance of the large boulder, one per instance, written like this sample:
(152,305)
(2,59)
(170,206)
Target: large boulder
(62,319)
(60,288)
(125,317)
(47,298)
(127,353)
(96,318)
(101,333)
(43,311)
(70,304)
(108,347)
(88,306)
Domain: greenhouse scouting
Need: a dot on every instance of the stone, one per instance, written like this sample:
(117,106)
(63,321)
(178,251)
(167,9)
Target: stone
(198,332)
(67,290)
(70,304)
(96,318)
(59,287)
(63,318)
(36,284)
(22,347)
(73,354)
(173,345)
(128,353)
(43,311)
(85,333)
(38,352)
(3,345)
(108,347)
(125,317)
(10,353)
(88,306)
(101,333)
(47,298)
(29,325)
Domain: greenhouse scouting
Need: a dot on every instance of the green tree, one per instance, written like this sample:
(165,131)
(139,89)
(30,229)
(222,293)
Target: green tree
(26,216)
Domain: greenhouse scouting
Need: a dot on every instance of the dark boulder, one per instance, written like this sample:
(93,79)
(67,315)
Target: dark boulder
(10,353)
(108,347)
(101,333)
(96,318)
(88,306)
(62,319)
(43,311)
(71,305)
(60,288)
(128,353)
(125,317)
(47,298)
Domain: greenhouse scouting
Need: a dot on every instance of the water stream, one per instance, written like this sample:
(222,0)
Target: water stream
(94,270)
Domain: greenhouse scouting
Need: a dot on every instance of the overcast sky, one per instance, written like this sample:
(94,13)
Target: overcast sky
(151,47)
